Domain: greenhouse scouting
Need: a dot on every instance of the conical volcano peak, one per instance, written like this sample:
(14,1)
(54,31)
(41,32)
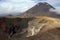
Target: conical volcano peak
(44,4)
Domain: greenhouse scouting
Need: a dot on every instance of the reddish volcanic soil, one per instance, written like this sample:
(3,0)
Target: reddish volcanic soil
(53,34)
(3,36)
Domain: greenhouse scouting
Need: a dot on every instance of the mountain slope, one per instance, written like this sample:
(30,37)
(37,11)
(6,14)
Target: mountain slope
(41,9)
(47,23)
(40,28)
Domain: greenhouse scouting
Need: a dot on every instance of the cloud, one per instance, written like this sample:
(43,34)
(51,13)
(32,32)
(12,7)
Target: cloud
(6,8)
(15,6)
(57,10)
(57,0)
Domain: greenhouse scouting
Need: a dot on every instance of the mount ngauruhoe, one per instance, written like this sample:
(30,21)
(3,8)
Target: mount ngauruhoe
(40,9)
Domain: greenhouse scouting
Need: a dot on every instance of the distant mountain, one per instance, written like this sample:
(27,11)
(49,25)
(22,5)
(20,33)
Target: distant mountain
(41,9)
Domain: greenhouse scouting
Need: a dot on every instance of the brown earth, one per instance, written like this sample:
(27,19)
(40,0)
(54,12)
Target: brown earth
(50,31)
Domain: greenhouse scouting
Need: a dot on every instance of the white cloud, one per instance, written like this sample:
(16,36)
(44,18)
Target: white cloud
(13,6)
(19,1)
(57,10)
(6,7)
(57,0)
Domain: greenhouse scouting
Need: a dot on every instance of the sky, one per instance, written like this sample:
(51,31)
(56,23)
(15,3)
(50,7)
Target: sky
(18,6)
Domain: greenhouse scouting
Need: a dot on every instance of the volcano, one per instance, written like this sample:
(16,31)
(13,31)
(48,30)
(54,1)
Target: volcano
(40,9)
